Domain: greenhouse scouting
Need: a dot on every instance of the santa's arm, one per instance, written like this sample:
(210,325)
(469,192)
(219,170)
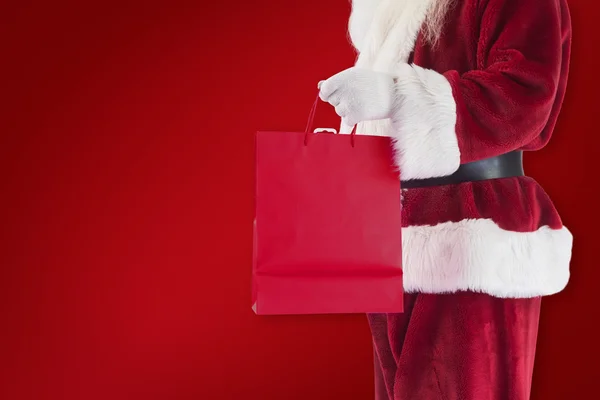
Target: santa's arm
(443,120)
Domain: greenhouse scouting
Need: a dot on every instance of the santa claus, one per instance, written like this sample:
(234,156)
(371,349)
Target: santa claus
(463,88)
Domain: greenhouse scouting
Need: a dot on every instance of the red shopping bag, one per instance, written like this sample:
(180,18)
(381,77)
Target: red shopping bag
(327,232)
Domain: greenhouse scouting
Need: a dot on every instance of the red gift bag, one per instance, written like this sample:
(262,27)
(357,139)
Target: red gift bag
(327,232)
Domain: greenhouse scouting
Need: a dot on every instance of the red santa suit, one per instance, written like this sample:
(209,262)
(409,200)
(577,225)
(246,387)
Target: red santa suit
(478,256)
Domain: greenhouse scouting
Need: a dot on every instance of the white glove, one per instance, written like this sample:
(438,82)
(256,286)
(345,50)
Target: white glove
(359,95)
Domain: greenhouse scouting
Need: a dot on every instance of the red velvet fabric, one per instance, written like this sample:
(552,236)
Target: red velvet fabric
(514,204)
(461,346)
(508,64)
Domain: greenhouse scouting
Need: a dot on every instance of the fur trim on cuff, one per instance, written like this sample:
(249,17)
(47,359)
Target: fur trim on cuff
(423,124)
(477,255)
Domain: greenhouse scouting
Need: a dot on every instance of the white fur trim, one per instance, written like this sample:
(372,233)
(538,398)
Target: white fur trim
(423,125)
(477,255)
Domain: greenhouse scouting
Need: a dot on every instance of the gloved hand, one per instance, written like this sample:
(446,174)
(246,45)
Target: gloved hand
(359,95)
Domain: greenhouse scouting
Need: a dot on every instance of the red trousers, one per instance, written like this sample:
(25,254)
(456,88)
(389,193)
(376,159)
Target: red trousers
(461,346)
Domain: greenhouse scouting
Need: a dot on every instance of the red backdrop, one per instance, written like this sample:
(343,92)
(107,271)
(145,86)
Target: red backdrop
(126,207)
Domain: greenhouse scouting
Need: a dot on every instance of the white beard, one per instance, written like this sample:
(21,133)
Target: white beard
(361,17)
(366,12)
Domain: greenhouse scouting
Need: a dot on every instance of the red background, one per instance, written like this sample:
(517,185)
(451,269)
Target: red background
(126,205)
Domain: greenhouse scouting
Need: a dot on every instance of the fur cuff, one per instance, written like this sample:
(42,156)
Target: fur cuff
(423,124)
(479,256)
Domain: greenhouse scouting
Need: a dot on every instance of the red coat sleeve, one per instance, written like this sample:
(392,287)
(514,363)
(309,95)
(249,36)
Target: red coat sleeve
(510,101)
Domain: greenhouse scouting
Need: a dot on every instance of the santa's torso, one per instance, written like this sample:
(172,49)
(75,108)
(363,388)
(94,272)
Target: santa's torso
(503,236)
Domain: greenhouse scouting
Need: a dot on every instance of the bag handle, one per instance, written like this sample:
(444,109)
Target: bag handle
(310,122)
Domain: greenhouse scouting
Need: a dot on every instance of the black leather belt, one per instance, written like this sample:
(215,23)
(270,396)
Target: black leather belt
(504,166)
